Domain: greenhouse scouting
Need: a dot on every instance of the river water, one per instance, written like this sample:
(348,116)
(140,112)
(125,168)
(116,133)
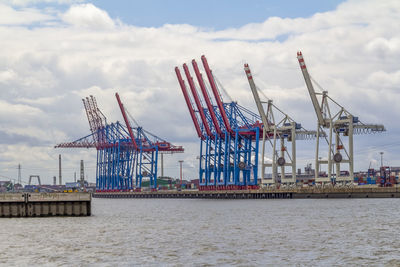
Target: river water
(183,232)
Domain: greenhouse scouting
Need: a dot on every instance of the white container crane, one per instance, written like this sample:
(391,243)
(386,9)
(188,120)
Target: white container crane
(283,130)
(343,125)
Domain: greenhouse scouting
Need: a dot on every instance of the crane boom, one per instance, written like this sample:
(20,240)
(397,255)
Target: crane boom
(95,118)
(128,125)
(197,100)
(216,94)
(206,98)
(189,104)
(256,96)
(310,88)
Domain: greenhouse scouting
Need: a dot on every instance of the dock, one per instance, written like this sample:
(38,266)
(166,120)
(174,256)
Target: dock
(267,193)
(45,204)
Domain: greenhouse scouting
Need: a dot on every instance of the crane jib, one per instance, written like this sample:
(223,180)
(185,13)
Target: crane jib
(310,88)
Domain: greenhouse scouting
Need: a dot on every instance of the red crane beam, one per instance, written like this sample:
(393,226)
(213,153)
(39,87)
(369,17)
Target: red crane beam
(128,125)
(92,109)
(197,100)
(88,115)
(95,122)
(100,119)
(189,104)
(216,94)
(76,145)
(206,98)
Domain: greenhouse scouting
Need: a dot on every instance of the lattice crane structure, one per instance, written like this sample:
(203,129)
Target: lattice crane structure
(341,125)
(124,153)
(279,129)
(229,134)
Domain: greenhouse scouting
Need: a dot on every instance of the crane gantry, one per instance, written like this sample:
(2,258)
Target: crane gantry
(282,130)
(341,125)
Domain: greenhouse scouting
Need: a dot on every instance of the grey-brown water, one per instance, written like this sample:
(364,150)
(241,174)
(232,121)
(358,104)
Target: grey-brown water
(168,232)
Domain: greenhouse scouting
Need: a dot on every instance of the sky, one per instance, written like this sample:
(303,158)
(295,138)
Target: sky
(53,53)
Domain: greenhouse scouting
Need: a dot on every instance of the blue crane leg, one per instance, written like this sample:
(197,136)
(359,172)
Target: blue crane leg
(155,168)
(235,159)
(201,161)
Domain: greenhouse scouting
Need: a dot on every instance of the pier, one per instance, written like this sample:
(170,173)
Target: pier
(284,193)
(45,204)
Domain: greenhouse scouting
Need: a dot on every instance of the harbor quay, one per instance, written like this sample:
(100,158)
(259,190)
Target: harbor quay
(45,204)
(265,193)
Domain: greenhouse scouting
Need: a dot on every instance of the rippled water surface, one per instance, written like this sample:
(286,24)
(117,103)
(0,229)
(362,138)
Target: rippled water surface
(173,232)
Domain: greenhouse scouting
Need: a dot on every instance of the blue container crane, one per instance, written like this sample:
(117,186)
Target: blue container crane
(229,135)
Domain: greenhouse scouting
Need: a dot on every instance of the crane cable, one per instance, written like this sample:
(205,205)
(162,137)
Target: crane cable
(316,83)
(132,118)
(219,85)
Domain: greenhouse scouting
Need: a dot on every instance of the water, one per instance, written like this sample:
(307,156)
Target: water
(175,232)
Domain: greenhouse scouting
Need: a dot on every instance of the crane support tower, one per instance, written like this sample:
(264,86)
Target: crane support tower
(279,129)
(341,126)
(125,154)
(229,133)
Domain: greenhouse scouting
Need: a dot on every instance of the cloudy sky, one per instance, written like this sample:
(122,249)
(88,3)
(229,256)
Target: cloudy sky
(53,53)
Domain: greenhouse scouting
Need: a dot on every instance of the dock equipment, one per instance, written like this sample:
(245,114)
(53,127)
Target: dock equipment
(279,128)
(34,176)
(123,152)
(341,125)
(228,132)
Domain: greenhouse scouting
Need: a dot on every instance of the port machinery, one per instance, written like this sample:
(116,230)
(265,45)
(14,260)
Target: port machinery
(279,129)
(341,125)
(124,152)
(229,133)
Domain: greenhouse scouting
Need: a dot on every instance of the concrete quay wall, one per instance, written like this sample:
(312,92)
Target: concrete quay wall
(45,204)
(295,193)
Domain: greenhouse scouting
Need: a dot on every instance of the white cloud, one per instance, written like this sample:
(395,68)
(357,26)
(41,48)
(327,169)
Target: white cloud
(25,16)
(383,79)
(382,47)
(41,100)
(31,2)
(7,75)
(88,16)
(353,52)
(8,110)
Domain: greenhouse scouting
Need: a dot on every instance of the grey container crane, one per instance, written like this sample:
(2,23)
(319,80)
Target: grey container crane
(284,130)
(343,125)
